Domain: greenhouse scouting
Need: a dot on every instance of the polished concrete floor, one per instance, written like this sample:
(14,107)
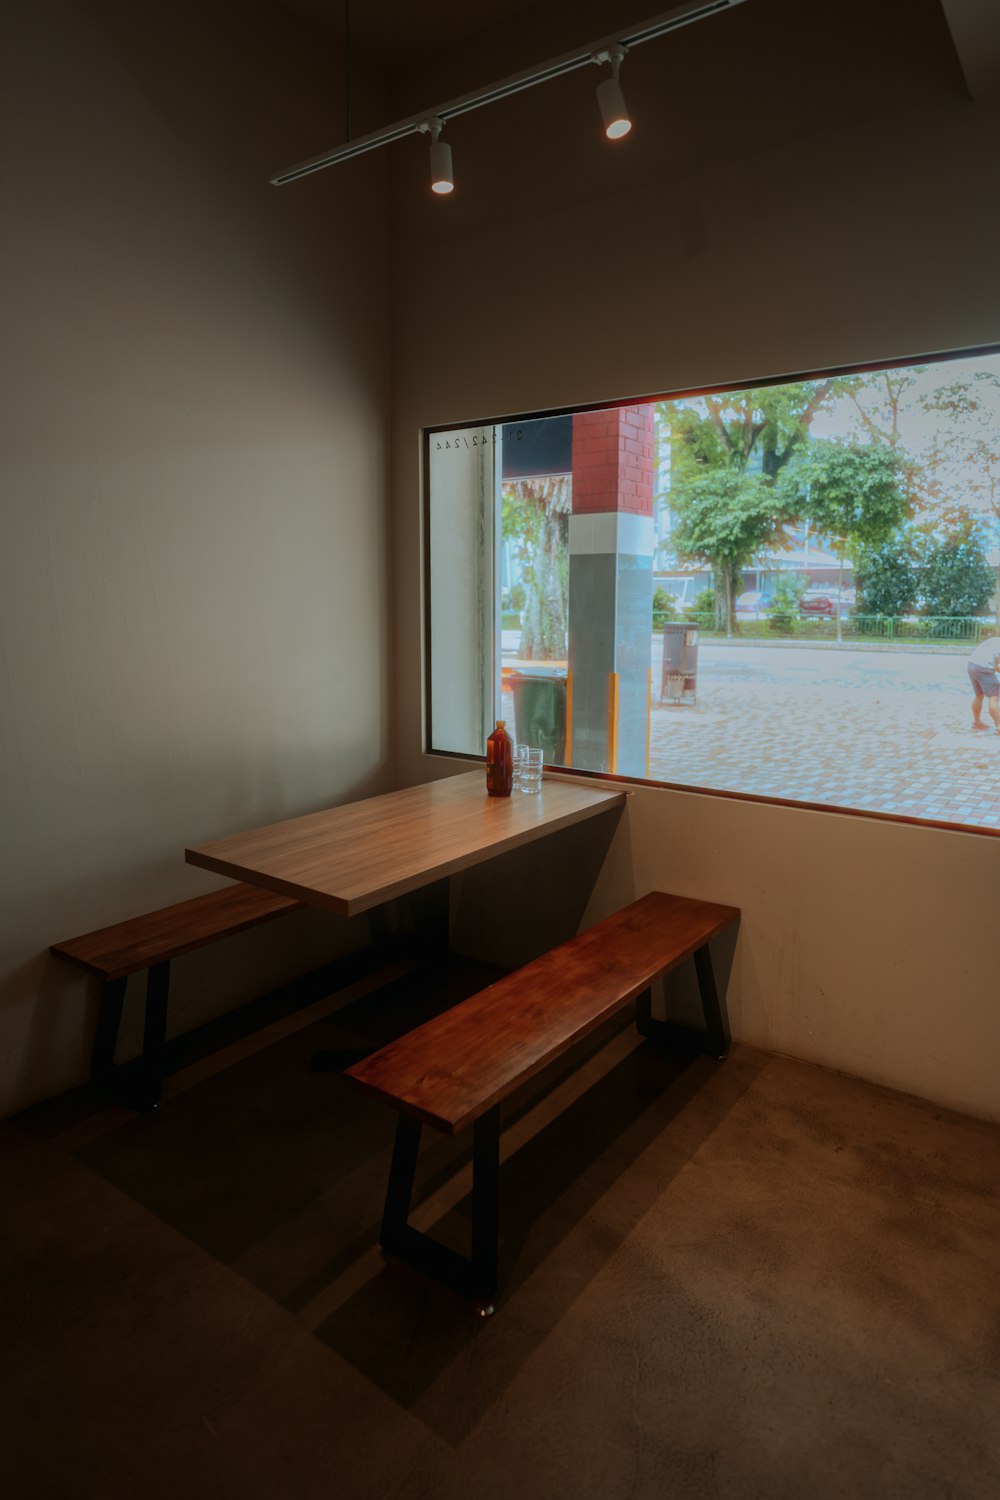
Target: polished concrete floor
(740,1280)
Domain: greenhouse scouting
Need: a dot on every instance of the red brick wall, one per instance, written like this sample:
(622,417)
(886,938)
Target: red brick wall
(614,461)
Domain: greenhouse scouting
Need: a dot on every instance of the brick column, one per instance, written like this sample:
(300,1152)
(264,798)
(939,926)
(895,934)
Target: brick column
(611,588)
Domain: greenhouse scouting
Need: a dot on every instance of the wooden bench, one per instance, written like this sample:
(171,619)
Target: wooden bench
(149,943)
(456,1070)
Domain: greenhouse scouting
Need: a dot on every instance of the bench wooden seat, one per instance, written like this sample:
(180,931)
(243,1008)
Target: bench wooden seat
(456,1070)
(148,943)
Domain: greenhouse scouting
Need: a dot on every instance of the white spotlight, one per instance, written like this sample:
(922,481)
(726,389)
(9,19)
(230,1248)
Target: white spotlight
(442,180)
(614,110)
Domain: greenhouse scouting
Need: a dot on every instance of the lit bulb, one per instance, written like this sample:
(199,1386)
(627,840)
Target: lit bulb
(442,180)
(614,110)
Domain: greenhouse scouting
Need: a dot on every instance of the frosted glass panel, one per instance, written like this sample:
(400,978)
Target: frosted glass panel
(461,607)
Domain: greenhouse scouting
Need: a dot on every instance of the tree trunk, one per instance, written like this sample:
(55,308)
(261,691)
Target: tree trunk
(729,583)
(719,594)
(544,623)
(840,590)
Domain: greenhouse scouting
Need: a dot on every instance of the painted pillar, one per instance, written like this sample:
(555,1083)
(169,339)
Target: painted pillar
(611,589)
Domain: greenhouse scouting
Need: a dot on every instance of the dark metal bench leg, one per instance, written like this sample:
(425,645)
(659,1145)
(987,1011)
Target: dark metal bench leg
(716,1022)
(486,1201)
(138,1085)
(667,1034)
(109,1020)
(154,1033)
(400,1189)
(472,1276)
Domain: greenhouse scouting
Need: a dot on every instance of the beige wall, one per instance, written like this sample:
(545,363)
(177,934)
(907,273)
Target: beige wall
(193,564)
(806,186)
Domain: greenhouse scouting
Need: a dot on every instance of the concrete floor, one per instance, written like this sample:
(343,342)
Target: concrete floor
(747,1279)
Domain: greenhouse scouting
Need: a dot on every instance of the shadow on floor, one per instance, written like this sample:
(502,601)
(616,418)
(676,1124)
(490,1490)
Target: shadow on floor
(268,1161)
(754,1279)
(403,1333)
(279,1173)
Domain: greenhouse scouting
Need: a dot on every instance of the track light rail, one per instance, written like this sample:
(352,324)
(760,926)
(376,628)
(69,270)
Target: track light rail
(569,62)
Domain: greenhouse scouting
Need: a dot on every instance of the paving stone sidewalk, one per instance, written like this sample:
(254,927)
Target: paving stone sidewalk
(880,730)
(884,731)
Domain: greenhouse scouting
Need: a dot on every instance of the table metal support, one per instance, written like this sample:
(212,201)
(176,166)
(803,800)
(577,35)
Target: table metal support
(428,912)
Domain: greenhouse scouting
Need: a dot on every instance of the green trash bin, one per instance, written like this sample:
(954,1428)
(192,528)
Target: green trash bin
(540,709)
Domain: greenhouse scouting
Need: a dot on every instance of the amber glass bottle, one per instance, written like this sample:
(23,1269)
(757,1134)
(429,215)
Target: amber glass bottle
(499,762)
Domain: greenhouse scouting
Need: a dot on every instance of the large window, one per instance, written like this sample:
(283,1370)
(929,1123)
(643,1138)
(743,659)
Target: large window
(785,591)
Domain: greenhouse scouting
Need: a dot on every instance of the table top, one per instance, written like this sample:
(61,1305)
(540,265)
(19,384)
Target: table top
(350,858)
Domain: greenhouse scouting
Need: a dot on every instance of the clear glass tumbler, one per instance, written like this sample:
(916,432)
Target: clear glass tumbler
(520,760)
(531,770)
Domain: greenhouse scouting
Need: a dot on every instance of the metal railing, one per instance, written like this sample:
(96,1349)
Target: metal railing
(853,627)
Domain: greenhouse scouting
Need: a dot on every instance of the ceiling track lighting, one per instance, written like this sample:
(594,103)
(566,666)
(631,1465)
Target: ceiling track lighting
(442,180)
(614,110)
(610,49)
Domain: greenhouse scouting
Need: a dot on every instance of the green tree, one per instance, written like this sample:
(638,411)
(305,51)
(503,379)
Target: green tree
(726,518)
(785,596)
(854,494)
(967,453)
(887,575)
(664,604)
(956,577)
(728,457)
(763,427)
(535,517)
(881,400)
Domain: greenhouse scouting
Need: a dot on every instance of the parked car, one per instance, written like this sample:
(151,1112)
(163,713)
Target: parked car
(822,600)
(754,602)
(818,601)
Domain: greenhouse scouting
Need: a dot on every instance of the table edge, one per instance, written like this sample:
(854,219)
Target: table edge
(351,906)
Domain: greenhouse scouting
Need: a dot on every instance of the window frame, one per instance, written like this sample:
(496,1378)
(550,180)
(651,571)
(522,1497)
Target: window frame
(578,773)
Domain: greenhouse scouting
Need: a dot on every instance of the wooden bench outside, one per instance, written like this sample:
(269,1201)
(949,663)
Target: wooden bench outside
(148,943)
(456,1070)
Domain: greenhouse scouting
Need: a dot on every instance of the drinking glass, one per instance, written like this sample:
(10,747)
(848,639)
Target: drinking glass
(520,760)
(531,770)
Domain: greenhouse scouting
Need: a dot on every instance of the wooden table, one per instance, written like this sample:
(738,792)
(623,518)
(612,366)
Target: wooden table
(349,859)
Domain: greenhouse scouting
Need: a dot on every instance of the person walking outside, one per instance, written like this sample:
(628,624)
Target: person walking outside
(985,683)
